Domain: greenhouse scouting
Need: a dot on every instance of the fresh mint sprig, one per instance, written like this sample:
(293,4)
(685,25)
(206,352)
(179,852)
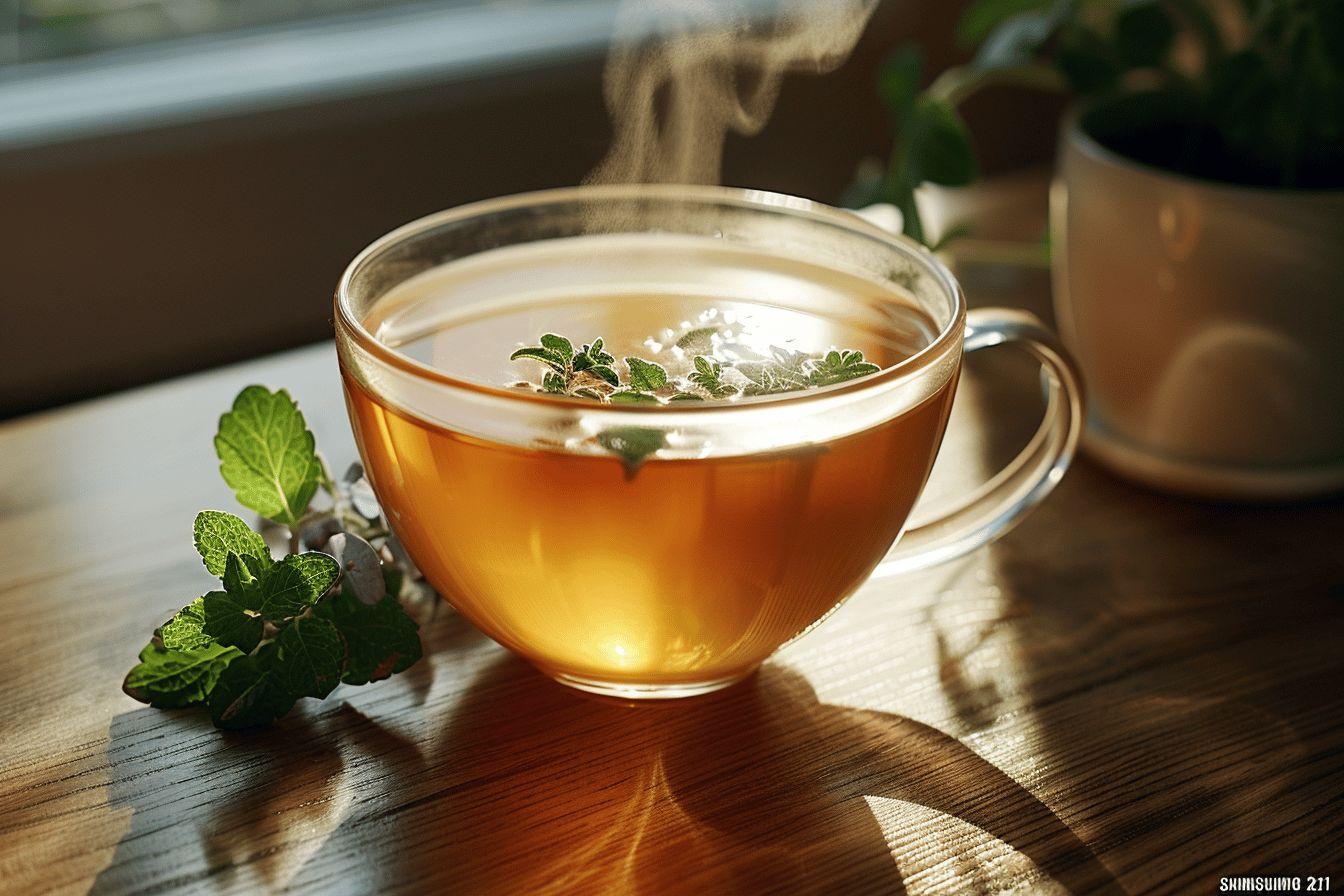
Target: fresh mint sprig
(280,630)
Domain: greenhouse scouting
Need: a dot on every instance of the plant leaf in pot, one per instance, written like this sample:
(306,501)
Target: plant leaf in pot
(1197,228)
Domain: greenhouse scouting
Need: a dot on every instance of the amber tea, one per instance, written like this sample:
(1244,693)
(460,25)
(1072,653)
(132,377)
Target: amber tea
(684,567)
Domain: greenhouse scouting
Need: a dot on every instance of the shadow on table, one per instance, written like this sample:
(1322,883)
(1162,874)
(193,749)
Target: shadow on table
(1158,645)
(244,810)
(759,788)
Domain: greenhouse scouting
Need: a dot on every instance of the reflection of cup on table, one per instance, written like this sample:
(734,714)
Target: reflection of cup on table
(679,567)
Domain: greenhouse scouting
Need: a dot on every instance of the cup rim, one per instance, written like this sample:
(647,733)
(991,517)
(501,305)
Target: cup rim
(762,200)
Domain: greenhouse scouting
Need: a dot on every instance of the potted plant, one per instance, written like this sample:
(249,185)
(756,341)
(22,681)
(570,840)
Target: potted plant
(1197,222)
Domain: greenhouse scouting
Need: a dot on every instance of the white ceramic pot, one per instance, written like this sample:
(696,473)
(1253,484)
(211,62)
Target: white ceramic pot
(1209,323)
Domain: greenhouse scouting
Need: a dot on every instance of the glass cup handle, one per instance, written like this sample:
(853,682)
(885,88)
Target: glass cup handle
(1002,501)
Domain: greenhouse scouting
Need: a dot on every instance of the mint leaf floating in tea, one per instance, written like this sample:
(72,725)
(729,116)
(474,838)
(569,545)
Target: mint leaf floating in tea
(632,396)
(267,454)
(698,341)
(633,444)
(585,374)
(837,367)
(281,630)
(646,376)
(708,375)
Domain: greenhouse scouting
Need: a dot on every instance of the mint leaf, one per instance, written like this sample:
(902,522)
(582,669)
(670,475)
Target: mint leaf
(629,396)
(605,373)
(837,367)
(708,375)
(561,346)
(185,630)
(319,570)
(267,454)
(288,588)
(217,534)
(593,356)
(686,396)
(381,639)
(169,678)
(250,692)
(645,376)
(697,341)
(556,361)
(230,621)
(308,658)
(633,444)
(553,383)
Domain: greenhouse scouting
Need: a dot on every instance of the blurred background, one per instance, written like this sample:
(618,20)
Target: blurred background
(182,181)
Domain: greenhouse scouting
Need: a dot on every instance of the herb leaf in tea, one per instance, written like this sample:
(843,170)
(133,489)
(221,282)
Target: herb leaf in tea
(646,376)
(708,375)
(837,367)
(295,627)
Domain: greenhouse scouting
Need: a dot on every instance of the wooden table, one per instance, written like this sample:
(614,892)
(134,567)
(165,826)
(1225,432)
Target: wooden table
(1128,694)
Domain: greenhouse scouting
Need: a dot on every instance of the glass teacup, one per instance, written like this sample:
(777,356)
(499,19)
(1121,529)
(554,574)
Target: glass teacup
(667,550)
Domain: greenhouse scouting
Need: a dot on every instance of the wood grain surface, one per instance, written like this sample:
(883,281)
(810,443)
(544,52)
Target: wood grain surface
(1129,694)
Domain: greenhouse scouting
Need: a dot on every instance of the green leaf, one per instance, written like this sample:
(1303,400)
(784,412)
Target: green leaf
(290,586)
(240,580)
(229,620)
(1144,33)
(217,534)
(898,81)
(267,454)
(309,656)
(250,692)
(646,376)
(559,363)
(687,396)
(561,346)
(838,367)
(628,396)
(170,678)
(983,16)
(633,444)
(605,373)
(319,570)
(697,340)
(939,145)
(381,639)
(1086,61)
(185,631)
(707,375)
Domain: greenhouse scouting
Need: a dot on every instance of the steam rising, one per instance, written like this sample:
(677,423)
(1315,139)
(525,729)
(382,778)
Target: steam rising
(684,72)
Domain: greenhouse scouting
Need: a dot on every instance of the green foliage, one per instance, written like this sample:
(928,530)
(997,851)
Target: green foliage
(1268,111)
(267,455)
(281,630)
